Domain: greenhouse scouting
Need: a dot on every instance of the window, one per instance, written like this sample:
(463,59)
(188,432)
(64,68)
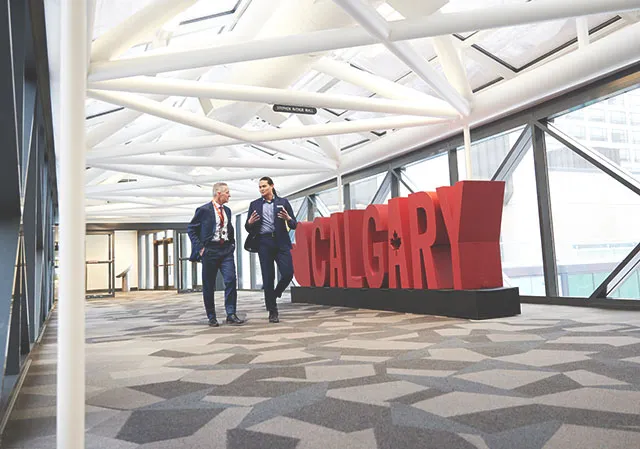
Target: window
(617,100)
(636,137)
(619,136)
(578,132)
(618,117)
(429,174)
(599,134)
(596,115)
(363,190)
(635,118)
(578,114)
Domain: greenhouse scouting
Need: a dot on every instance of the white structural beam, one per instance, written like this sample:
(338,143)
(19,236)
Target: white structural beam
(131,202)
(177,115)
(130,186)
(213,161)
(130,197)
(371,20)
(114,124)
(412,8)
(190,143)
(256,94)
(197,121)
(201,142)
(221,175)
(373,83)
(70,393)
(325,143)
(137,28)
(333,39)
(452,65)
(582,29)
(605,56)
(152,172)
(118,120)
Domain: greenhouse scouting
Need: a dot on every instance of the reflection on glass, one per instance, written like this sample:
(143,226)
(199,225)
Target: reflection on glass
(595,220)
(597,228)
(97,277)
(630,288)
(362,191)
(520,236)
(328,198)
(97,247)
(428,174)
(488,154)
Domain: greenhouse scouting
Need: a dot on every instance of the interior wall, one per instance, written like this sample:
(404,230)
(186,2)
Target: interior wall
(126,253)
(126,244)
(97,249)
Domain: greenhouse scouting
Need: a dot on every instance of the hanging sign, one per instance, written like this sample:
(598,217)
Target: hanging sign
(295,109)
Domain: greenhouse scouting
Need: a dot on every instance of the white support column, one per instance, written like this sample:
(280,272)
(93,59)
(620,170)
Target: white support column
(582,28)
(340,191)
(91,14)
(466,131)
(71,317)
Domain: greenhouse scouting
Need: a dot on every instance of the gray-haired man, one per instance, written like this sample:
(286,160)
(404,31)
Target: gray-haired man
(213,243)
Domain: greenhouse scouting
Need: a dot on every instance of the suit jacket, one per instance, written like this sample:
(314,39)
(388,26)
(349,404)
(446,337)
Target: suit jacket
(201,228)
(282,235)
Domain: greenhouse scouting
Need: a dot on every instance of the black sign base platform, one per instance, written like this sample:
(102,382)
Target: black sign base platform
(473,304)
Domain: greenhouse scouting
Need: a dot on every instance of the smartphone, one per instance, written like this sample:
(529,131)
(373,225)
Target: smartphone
(279,207)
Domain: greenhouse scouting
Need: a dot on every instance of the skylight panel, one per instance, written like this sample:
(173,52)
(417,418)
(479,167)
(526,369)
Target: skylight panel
(524,45)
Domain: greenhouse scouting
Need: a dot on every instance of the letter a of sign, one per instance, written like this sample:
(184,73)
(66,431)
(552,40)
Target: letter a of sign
(353,248)
(472,211)
(400,241)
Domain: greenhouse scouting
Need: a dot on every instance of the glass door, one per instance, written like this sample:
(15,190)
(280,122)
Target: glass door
(163,263)
(188,272)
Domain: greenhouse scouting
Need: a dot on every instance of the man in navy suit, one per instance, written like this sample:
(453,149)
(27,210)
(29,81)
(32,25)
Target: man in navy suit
(213,244)
(267,221)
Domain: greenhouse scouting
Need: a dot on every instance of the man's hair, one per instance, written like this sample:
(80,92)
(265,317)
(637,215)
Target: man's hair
(218,187)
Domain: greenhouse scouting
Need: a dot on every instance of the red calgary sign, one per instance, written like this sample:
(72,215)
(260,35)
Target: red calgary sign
(445,239)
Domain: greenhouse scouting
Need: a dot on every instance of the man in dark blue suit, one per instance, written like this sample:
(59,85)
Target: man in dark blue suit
(267,221)
(213,244)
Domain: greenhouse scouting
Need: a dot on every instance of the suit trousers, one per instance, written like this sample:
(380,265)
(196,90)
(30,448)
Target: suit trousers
(269,252)
(219,258)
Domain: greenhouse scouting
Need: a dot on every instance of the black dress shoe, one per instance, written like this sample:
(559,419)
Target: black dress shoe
(213,322)
(234,320)
(273,317)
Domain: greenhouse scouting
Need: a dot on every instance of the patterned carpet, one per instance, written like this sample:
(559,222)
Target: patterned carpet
(159,377)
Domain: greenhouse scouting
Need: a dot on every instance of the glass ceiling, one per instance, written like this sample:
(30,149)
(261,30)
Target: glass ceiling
(489,58)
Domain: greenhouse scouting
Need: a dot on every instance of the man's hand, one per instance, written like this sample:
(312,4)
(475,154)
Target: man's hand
(253,218)
(201,251)
(283,214)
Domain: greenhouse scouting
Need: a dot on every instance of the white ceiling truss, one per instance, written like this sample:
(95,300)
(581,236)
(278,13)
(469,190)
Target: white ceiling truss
(180,92)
